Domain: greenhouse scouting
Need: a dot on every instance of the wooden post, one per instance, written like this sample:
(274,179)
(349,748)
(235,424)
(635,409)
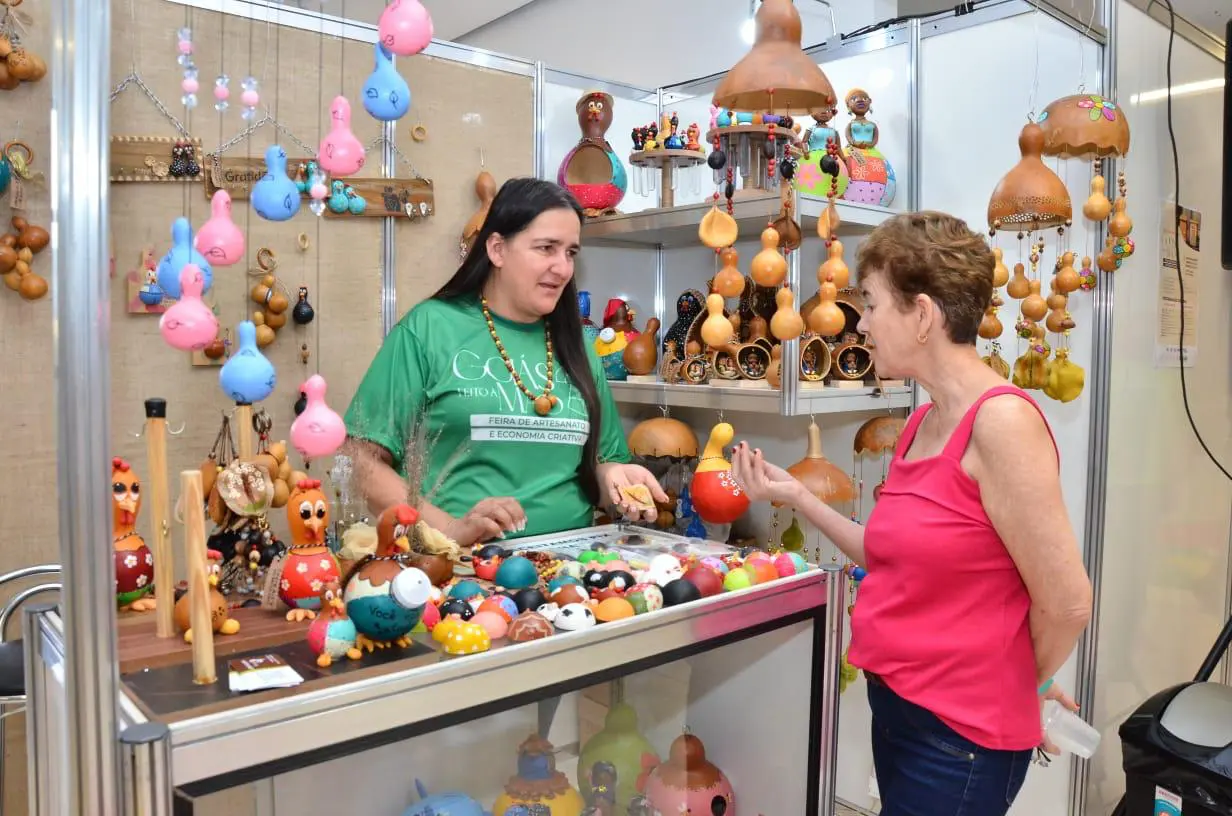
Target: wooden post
(243,421)
(164,562)
(198,579)
(667,195)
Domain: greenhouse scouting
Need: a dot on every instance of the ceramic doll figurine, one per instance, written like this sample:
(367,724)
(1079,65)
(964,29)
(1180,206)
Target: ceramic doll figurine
(619,316)
(816,174)
(872,177)
(308,564)
(592,171)
(134,562)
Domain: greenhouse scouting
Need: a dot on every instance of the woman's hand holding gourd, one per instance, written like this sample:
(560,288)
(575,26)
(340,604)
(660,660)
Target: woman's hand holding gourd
(488,519)
(613,476)
(761,480)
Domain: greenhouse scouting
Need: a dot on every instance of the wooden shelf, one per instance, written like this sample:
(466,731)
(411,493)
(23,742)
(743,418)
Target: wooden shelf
(677,226)
(809,399)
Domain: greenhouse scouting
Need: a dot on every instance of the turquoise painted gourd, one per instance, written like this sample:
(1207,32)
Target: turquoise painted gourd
(6,174)
(357,202)
(181,253)
(337,198)
(387,97)
(275,197)
(248,377)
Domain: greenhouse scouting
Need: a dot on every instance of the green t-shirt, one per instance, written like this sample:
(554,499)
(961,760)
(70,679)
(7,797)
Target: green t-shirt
(440,363)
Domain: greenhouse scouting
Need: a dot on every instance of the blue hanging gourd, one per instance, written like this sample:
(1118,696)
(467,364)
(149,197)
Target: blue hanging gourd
(6,173)
(275,197)
(181,253)
(248,377)
(387,97)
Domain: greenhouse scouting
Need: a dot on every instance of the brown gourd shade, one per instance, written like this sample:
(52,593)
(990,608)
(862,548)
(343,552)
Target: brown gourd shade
(776,75)
(1084,126)
(1030,196)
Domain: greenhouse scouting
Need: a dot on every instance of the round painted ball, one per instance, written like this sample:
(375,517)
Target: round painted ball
(645,598)
(620,580)
(466,590)
(762,572)
(596,579)
(517,572)
(716,564)
(501,605)
(492,551)
(561,581)
(572,569)
(737,579)
(569,594)
(705,579)
(759,557)
(529,598)
(679,592)
(457,606)
(492,622)
(431,616)
(614,609)
(784,564)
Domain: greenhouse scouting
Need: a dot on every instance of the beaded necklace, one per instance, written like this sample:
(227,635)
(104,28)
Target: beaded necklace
(543,402)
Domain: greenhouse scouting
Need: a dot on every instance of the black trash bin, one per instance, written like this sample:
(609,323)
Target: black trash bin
(1177,747)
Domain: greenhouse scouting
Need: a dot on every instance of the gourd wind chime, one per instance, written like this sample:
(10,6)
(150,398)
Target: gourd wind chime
(1032,200)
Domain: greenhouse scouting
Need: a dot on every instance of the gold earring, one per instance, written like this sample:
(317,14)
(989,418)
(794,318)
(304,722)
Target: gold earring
(922,339)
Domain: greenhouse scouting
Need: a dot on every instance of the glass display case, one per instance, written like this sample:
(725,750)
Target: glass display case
(714,704)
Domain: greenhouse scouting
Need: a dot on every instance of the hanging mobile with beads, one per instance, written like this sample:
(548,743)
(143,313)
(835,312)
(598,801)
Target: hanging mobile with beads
(250,98)
(188,84)
(222,92)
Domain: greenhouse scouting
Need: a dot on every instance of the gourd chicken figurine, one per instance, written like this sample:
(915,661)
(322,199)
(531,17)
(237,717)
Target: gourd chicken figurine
(592,171)
(308,564)
(332,635)
(717,496)
(384,595)
(134,563)
(220,621)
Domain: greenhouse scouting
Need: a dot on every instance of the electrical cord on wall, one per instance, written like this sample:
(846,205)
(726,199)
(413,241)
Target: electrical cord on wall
(1176,238)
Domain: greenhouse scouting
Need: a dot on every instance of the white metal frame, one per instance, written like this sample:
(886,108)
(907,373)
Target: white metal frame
(86,657)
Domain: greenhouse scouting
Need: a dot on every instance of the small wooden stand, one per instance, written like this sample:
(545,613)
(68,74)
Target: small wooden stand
(164,564)
(198,580)
(667,161)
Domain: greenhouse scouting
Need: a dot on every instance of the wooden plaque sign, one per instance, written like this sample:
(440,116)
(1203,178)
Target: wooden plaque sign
(412,198)
(155,158)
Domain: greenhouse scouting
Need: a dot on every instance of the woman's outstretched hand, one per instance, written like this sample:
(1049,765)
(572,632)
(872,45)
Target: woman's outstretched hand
(761,480)
(614,476)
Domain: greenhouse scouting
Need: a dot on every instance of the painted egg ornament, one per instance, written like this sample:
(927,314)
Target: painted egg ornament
(679,592)
(501,605)
(620,580)
(715,564)
(664,569)
(467,638)
(549,611)
(487,561)
(571,569)
(645,598)
(516,572)
(596,579)
(737,580)
(761,572)
(689,783)
(614,609)
(445,627)
(789,563)
(457,606)
(494,623)
(574,617)
(529,599)
(562,581)
(597,556)
(529,626)
(466,590)
(756,556)
(570,594)
(707,581)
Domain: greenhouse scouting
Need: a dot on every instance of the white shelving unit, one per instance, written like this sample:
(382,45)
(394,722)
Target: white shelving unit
(809,400)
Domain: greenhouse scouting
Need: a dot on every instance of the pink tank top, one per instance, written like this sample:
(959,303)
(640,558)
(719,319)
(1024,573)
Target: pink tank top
(941,616)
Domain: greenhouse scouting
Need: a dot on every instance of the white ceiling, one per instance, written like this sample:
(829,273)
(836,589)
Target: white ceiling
(1211,15)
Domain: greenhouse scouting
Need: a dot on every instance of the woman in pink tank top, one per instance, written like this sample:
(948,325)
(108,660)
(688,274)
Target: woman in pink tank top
(975,593)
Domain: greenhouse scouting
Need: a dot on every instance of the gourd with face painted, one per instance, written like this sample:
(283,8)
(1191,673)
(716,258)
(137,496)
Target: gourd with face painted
(134,563)
(308,564)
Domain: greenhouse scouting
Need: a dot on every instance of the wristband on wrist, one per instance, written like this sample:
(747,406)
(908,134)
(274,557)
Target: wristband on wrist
(1047,684)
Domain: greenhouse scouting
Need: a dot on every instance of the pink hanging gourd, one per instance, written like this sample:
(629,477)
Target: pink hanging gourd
(405,27)
(318,431)
(341,154)
(219,239)
(189,325)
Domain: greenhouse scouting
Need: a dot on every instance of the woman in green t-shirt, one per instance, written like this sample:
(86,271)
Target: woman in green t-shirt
(524,435)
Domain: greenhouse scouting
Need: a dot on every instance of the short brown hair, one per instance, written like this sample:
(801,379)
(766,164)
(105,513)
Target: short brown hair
(931,253)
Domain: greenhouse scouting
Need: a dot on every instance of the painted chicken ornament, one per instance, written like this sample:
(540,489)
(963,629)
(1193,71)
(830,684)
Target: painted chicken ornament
(717,496)
(332,635)
(384,595)
(134,563)
(308,564)
(221,622)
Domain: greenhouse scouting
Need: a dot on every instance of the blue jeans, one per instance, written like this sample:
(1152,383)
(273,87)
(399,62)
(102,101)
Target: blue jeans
(925,768)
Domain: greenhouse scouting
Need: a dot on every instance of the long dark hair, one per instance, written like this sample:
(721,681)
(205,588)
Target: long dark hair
(519,202)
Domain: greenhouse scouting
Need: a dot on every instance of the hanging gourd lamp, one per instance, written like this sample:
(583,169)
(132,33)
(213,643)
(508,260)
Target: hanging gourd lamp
(878,436)
(1084,126)
(1030,197)
(776,75)
(819,475)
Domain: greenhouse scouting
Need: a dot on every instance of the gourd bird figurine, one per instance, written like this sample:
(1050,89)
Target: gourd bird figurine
(591,170)
(221,622)
(134,563)
(332,635)
(384,595)
(308,564)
